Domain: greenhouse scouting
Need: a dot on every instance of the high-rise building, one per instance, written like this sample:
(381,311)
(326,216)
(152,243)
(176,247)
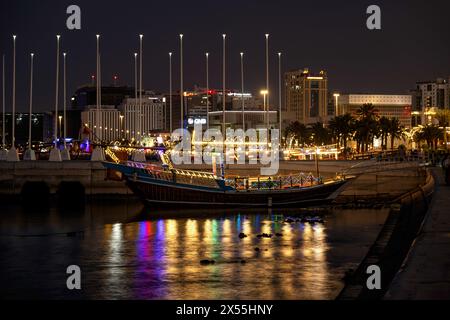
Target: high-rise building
(428,95)
(306,97)
(388,105)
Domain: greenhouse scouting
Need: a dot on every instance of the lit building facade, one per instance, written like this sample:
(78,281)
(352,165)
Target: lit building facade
(253,119)
(306,97)
(107,128)
(141,120)
(196,104)
(388,105)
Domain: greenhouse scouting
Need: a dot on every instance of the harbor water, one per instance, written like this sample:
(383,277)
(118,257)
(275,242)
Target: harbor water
(126,251)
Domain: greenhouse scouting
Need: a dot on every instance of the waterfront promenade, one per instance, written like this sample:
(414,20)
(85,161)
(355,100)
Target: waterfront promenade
(426,271)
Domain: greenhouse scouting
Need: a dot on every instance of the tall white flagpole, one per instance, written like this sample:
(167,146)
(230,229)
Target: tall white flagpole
(181,83)
(13,141)
(3,102)
(267,81)
(57,90)
(31,100)
(65,99)
(55,154)
(170,90)
(223,84)
(141,36)
(207,90)
(97,115)
(279,91)
(136,97)
(242,91)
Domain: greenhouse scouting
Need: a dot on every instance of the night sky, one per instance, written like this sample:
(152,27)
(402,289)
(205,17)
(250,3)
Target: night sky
(413,44)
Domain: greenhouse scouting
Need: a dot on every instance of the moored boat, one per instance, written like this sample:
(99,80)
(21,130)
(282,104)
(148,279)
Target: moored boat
(175,187)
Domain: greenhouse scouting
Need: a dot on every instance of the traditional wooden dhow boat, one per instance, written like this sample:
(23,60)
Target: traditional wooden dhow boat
(175,187)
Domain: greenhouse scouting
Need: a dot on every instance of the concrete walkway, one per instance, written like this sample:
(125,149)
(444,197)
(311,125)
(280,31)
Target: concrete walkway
(426,273)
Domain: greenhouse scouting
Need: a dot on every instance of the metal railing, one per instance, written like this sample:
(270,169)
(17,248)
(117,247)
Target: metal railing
(180,176)
(273,183)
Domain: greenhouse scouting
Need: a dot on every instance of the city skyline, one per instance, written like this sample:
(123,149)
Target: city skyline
(360,65)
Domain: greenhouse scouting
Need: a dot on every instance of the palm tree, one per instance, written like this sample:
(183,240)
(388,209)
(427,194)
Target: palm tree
(431,134)
(384,123)
(366,126)
(443,116)
(320,134)
(367,111)
(342,128)
(419,136)
(395,130)
(296,130)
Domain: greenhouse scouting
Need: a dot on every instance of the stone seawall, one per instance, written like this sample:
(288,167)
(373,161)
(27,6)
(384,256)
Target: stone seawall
(91,175)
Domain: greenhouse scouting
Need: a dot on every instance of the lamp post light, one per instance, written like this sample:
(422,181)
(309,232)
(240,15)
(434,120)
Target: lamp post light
(164,125)
(336,97)
(60,118)
(121,126)
(264,93)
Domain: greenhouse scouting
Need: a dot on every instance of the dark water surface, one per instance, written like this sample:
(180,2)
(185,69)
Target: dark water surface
(127,252)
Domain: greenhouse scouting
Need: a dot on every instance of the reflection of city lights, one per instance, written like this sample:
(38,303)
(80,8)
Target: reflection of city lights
(171,226)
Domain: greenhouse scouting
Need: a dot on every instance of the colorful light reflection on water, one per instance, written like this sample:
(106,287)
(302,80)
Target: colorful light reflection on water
(159,258)
(165,263)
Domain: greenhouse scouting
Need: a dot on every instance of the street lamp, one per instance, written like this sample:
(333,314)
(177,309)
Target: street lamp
(121,126)
(336,97)
(265,93)
(60,118)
